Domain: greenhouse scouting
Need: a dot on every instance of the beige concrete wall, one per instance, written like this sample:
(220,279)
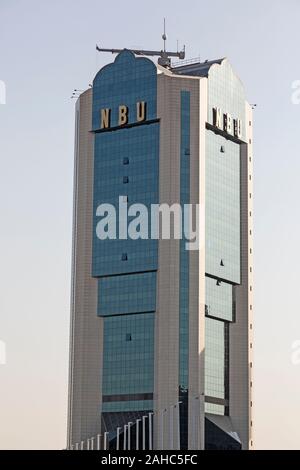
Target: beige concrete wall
(240,349)
(167,315)
(167,310)
(197,270)
(86,327)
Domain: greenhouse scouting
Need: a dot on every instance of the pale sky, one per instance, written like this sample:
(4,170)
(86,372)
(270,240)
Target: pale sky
(46,50)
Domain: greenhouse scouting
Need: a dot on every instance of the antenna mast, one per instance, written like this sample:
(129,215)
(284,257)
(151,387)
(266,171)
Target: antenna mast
(164,57)
(164,36)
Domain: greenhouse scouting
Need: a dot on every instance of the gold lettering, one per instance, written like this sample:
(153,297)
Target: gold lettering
(238,128)
(140,111)
(105,118)
(228,123)
(123,115)
(217,118)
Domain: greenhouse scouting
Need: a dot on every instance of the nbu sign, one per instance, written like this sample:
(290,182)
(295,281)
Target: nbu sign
(123,113)
(226,123)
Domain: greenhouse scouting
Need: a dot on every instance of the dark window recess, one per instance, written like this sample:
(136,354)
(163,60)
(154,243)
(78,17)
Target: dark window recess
(222,149)
(124,257)
(187,152)
(234,309)
(125,179)
(128,337)
(125,161)
(222,263)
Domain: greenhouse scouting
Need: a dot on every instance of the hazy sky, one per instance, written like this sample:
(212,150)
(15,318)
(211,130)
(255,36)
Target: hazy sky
(46,50)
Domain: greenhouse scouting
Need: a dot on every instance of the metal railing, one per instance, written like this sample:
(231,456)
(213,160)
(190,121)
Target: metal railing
(182,63)
(142,439)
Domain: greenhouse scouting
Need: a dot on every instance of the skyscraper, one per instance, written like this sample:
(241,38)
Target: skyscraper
(161,335)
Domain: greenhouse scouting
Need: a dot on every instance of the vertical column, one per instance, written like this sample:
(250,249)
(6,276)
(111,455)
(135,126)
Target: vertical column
(185,157)
(167,315)
(240,350)
(86,328)
(197,270)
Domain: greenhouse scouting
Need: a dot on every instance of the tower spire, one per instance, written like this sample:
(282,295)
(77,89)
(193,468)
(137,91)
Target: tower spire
(164,36)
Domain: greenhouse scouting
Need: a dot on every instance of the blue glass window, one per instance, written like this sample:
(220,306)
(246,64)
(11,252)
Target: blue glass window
(129,293)
(219,300)
(222,208)
(128,366)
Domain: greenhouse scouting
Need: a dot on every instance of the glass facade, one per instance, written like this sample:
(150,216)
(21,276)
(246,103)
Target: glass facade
(136,293)
(126,168)
(226,91)
(125,406)
(214,409)
(126,160)
(184,269)
(219,301)
(125,82)
(215,359)
(128,352)
(222,263)
(223,234)
(222,208)
(140,145)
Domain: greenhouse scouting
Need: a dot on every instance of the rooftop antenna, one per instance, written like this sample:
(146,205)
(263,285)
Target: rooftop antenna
(164,57)
(164,36)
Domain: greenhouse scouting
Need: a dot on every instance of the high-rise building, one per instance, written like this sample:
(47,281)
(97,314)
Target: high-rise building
(161,334)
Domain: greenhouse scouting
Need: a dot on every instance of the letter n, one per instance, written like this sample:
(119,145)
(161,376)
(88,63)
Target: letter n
(217,118)
(105,118)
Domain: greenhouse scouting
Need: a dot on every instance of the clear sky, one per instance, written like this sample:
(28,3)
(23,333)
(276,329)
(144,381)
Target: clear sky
(46,50)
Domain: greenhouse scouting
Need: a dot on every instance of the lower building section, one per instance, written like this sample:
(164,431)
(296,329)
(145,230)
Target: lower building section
(129,404)
(128,362)
(216,366)
(132,436)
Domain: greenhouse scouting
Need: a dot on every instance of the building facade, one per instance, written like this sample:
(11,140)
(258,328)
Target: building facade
(160,332)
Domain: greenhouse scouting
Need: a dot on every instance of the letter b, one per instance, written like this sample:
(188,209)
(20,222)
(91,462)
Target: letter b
(123,115)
